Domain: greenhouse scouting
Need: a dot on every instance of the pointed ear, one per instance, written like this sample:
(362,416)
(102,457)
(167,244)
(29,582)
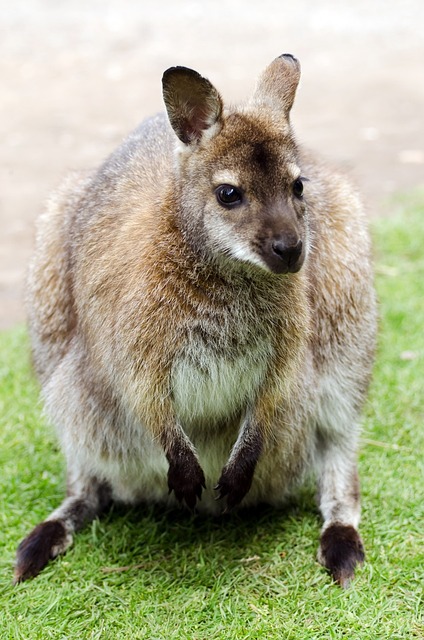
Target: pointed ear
(277,85)
(192,102)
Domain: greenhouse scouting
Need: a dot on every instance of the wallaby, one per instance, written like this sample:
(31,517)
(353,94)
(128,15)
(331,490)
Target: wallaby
(203,320)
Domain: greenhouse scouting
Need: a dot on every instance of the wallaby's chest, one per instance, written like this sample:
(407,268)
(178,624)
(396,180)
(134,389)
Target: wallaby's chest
(216,374)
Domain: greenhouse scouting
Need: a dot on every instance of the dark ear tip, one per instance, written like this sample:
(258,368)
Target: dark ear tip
(174,72)
(290,62)
(289,56)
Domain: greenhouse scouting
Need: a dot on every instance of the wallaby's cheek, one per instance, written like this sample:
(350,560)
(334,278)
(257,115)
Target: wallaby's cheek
(228,241)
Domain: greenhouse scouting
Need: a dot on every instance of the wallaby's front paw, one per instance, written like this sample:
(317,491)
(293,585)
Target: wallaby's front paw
(340,551)
(186,479)
(234,483)
(45,542)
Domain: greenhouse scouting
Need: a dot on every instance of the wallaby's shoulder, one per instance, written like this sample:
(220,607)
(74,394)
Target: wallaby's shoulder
(339,224)
(144,154)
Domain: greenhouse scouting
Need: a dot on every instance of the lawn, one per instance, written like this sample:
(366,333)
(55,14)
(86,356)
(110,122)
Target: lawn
(152,574)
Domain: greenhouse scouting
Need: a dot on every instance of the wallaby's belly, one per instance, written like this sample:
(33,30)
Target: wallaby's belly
(143,477)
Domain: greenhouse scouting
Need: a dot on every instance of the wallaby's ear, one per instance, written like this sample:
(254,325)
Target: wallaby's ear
(192,102)
(277,85)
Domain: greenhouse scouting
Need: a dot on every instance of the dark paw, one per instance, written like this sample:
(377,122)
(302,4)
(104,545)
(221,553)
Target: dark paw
(45,542)
(340,551)
(186,479)
(234,484)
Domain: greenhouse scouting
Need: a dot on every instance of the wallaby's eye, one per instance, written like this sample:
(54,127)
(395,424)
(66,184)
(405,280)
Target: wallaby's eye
(228,196)
(298,188)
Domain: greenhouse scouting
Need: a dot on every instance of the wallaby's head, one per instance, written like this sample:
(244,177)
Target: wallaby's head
(238,181)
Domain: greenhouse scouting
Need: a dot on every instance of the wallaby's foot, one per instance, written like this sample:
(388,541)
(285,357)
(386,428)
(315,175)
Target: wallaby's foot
(234,483)
(186,479)
(340,551)
(54,536)
(46,541)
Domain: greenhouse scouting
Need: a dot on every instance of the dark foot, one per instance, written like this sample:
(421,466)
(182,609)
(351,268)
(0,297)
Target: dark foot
(340,551)
(45,542)
(234,484)
(186,479)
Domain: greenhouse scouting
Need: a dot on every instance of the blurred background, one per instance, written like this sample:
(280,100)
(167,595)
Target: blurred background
(77,76)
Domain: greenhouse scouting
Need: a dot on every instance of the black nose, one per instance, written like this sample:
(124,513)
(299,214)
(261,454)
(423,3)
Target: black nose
(288,251)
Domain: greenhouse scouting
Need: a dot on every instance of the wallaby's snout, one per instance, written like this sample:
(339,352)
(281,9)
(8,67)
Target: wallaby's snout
(284,253)
(283,241)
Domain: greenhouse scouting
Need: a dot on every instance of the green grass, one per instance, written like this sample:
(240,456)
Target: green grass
(152,574)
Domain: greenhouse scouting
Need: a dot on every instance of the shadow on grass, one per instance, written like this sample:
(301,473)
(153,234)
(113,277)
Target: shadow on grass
(157,538)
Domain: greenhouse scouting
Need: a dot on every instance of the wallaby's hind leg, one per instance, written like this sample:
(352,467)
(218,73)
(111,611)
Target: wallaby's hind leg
(86,499)
(341,546)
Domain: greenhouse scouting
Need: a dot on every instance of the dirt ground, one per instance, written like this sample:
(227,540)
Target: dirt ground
(77,75)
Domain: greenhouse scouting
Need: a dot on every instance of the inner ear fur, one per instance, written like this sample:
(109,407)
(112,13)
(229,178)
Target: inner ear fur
(192,102)
(277,85)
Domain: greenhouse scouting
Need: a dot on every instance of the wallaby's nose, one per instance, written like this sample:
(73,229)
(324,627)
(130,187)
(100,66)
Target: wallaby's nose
(288,253)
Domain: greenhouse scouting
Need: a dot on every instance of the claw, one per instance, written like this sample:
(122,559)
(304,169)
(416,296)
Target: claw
(223,491)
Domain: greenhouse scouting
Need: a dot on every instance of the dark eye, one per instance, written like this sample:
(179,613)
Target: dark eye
(298,188)
(228,195)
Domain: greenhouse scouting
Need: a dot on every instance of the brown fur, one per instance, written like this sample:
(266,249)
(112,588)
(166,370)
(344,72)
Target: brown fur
(184,343)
